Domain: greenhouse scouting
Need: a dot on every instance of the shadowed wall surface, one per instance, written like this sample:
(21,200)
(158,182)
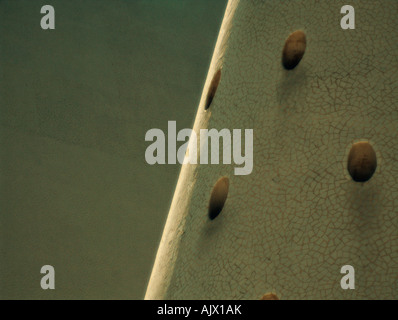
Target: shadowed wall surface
(75,104)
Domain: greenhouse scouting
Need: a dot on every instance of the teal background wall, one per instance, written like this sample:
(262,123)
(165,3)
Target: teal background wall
(75,104)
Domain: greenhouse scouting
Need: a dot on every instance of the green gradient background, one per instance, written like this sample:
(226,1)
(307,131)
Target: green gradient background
(75,104)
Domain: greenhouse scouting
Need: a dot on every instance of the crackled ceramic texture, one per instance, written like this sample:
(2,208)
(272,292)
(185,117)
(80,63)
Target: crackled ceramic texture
(290,225)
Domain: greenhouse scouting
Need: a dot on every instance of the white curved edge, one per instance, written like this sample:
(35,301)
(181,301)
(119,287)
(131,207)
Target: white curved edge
(166,256)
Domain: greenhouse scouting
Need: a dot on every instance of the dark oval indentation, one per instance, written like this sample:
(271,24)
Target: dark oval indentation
(218,197)
(362,162)
(294,49)
(213,88)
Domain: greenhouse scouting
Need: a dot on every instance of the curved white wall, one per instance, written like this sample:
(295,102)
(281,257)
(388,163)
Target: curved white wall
(290,225)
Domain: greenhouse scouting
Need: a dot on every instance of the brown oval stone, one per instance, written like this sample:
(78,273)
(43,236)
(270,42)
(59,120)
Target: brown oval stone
(294,49)
(218,197)
(269,296)
(362,161)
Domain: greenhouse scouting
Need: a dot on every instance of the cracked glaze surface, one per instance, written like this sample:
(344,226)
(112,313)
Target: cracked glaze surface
(290,225)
